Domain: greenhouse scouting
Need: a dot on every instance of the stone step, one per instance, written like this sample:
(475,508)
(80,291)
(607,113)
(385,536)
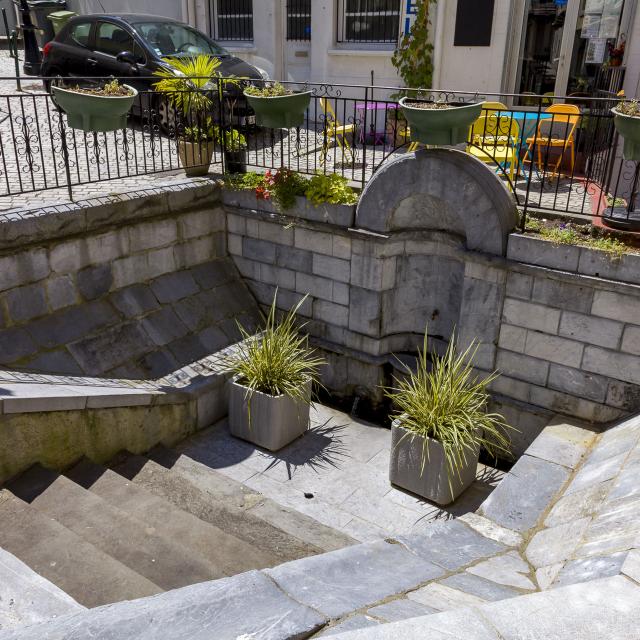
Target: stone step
(219,509)
(230,554)
(128,540)
(198,456)
(26,597)
(87,574)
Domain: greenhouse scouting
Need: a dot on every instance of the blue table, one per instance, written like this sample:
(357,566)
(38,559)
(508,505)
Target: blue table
(527,120)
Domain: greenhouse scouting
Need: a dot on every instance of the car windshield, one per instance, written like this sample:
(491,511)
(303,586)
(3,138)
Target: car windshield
(173,39)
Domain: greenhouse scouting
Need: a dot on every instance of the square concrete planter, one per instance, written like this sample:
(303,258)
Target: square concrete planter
(405,467)
(275,420)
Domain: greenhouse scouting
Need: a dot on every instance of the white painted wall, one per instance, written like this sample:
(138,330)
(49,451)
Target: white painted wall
(471,68)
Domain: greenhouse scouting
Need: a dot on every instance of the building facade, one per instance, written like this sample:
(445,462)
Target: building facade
(563,47)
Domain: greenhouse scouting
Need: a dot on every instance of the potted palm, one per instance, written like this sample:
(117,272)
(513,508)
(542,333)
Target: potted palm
(627,122)
(271,389)
(439,122)
(276,106)
(186,83)
(441,422)
(94,109)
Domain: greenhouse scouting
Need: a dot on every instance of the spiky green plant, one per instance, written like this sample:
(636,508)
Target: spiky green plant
(186,90)
(277,361)
(445,401)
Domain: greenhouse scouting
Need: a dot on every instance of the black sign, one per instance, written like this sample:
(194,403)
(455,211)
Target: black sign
(474,20)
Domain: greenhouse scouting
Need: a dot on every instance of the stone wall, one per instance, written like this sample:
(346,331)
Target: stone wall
(126,289)
(419,254)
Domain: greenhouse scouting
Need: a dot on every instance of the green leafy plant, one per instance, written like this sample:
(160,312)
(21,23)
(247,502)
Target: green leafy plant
(282,187)
(199,134)
(111,89)
(331,188)
(187,81)
(268,90)
(629,108)
(413,56)
(444,400)
(243,181)
(232,139)
(278,360)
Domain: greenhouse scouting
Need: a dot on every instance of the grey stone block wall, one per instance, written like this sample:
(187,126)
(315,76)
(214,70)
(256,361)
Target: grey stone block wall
(132,291)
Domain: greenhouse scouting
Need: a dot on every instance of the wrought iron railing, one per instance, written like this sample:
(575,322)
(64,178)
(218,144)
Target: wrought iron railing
(552,158)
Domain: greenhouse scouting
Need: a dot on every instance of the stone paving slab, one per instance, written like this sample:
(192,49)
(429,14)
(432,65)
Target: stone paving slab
(451,545)
(346,580)
(513,504)
(249,603)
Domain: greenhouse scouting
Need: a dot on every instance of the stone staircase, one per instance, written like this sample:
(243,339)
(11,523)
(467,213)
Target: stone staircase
(553,552)
(97,535)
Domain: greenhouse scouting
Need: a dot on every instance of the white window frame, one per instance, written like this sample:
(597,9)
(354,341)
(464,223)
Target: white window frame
(342,27)
(215,15)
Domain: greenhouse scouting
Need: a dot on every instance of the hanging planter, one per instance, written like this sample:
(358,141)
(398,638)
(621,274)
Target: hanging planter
(439,123)
(96,110)
(276,107)
(627,124)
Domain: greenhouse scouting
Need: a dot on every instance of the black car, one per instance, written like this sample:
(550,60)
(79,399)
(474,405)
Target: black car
(133,46)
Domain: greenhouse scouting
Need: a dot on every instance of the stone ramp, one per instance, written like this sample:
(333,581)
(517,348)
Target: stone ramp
(26,597)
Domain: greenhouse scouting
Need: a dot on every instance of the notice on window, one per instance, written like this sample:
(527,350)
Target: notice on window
(590,26)
(596,49)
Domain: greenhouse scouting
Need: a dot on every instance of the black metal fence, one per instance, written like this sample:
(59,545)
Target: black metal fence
(299,20)
(557,156)
(233,20)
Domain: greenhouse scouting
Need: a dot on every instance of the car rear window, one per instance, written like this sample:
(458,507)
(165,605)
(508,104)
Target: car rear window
(79,34)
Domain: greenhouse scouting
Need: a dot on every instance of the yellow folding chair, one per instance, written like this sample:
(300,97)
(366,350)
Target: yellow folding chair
(557,132)
(495,140)
(335,131)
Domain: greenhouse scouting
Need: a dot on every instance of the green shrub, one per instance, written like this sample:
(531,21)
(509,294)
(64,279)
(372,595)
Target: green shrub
(445,401)
(277,361)
(269,90)
(331,188)
(243,181)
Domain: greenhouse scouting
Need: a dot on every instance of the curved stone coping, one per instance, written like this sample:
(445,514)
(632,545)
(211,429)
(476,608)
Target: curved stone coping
(571,258)
(448,190)
(43,224)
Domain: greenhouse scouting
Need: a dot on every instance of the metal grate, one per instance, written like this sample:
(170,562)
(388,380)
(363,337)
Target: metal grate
(233,20)
(374,21)
(298,19)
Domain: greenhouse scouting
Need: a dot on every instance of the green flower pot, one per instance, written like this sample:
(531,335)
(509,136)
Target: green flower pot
(281,112)
(94,113)
(629,128)
(441,126)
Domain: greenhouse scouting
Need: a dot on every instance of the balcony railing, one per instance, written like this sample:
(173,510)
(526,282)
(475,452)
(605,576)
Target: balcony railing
(349,130)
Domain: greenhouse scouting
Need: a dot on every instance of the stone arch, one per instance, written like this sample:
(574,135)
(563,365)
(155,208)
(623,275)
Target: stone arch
(442,190)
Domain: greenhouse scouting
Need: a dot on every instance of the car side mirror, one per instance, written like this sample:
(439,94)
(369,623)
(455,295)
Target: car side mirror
(127,57)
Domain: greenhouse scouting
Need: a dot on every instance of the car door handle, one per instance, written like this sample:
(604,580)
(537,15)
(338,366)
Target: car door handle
(92,61)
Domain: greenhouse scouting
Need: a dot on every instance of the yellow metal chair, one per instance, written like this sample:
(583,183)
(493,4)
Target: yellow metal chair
(557,132)
(335,131)
(495,140)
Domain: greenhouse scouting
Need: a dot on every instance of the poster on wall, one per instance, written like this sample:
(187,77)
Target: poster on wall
(596,50)
(609,26)
(590,26)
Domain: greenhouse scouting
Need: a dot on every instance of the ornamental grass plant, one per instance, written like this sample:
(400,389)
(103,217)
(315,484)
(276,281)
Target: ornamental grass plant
(445,401)
(278,360)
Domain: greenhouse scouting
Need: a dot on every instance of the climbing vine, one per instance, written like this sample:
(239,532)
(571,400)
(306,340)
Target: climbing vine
(413,56)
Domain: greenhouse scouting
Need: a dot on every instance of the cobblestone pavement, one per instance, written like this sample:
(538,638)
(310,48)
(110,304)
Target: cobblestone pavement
(338,474)
(33,169)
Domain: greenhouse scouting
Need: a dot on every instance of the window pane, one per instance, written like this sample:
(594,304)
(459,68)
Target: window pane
(371,20)
(112,39)
(234,19)
(80,34)
(298,19)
